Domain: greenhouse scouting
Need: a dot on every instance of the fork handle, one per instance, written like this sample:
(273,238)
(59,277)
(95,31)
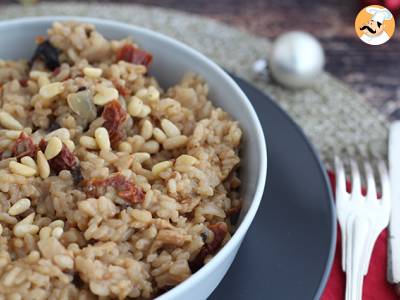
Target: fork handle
(357,236)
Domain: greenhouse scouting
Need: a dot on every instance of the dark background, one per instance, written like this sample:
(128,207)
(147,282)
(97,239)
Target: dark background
(374,71)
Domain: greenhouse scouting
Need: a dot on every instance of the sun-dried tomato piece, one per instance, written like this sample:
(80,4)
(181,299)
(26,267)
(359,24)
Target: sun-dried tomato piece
(132,193)
(23,82)
(117,180)
(134,55)
(141,57)
(56,71)
(65,160)
(114,116)
(220,231)
(233,211)
(42,145)
(125,188)
(24,146)
(121,89)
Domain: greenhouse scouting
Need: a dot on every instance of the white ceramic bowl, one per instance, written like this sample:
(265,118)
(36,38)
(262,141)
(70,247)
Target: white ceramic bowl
(171,60)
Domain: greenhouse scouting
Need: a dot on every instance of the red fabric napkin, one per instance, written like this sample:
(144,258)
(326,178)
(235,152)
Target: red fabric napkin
(375,285)
(392,5)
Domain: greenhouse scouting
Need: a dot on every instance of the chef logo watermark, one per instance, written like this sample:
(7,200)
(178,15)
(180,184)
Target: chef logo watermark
(374,25)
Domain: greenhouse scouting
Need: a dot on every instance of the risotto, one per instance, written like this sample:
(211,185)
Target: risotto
(110,186)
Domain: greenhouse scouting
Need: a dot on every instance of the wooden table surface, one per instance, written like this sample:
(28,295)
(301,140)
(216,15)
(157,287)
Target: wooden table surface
(374,71)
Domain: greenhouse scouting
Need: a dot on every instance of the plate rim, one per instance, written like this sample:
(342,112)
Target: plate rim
(323,171)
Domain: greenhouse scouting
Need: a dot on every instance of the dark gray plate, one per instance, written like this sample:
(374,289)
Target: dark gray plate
(289,249)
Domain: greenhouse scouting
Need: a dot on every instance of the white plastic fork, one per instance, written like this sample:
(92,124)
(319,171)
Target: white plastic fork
(361,219)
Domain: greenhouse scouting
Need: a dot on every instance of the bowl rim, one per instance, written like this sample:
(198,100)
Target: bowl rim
(240,232)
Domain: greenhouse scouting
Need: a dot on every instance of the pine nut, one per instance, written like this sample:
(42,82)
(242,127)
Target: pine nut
(9,122)
(51,90)
(45,233)
(92,72)
(150,146)
(137,142)
(88,142)
(43,165)
(102,139)
(175,142)
(53,147)
(147,130)
(62,133)
(3,261)
(20,169)
(141,215)
(20,230)
(153,94)
(105,95)
(64,261)
(135,106)
(9,278)
(19,207)
(70,145)
(6,218)
(28,161)
(4,143)
(185,159)
(37,74)
(161,167)
(125,147)
(72,55)
(141,93)
(141,156)
(159,135)
(38,135)
(146,110)
(1,230)
(28,219)
(11,134)
(169,128)
(33,257)
(43,80)
(108,156)
(18,243)
(57,223)
(57,232)
(98,288)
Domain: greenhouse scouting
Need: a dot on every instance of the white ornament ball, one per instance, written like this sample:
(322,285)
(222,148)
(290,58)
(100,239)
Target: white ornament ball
(296,59)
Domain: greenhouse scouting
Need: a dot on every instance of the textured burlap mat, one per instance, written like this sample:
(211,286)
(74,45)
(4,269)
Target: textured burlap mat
(333,117)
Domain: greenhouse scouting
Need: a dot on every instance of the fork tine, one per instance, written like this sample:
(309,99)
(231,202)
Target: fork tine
(341,195)
(355,178)
(340,179)
(385,184)
(371,191)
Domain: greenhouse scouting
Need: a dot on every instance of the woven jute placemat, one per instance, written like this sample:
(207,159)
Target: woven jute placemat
(335,118)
